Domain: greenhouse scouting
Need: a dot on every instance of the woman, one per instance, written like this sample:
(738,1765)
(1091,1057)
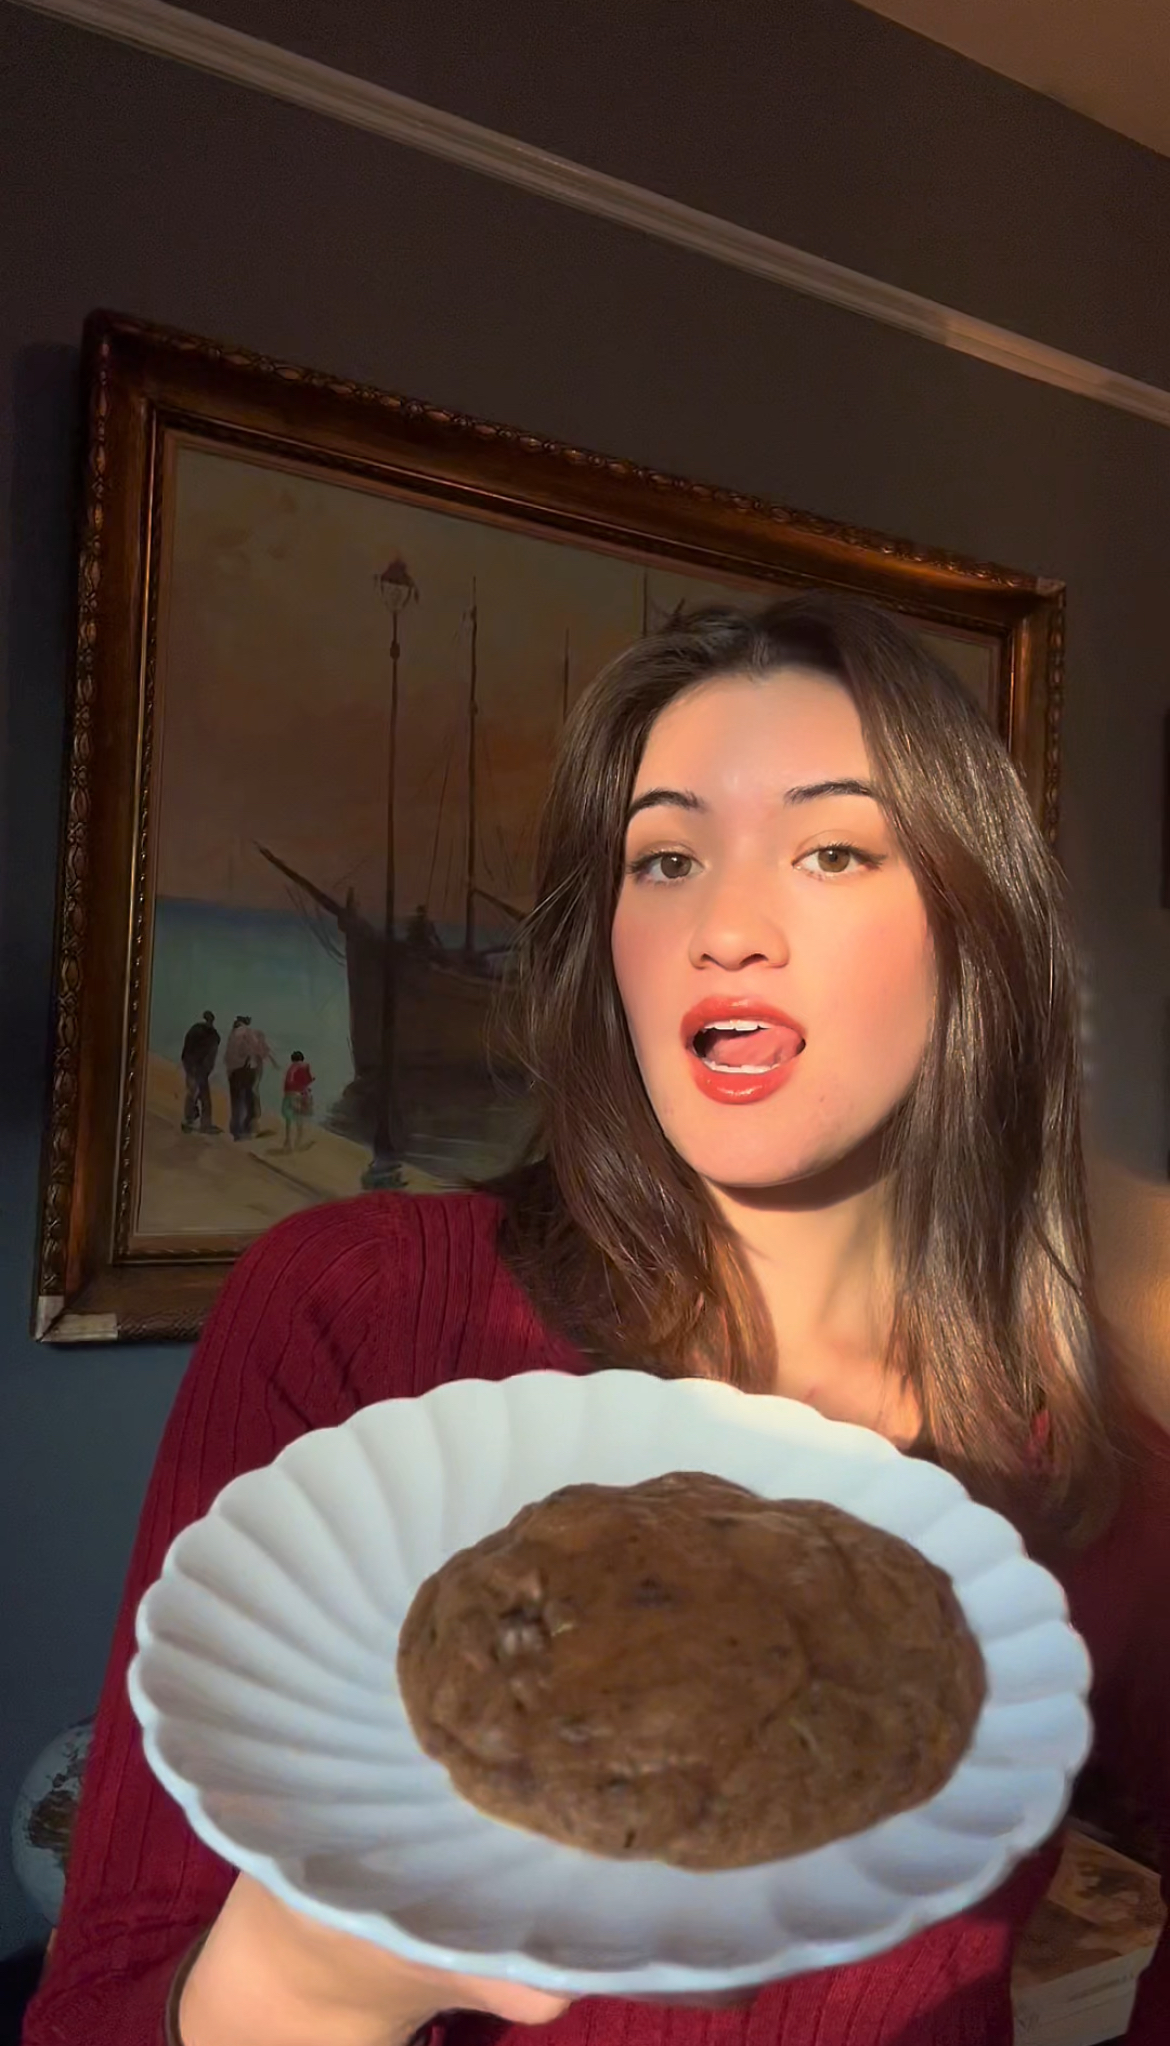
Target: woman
(797,1006)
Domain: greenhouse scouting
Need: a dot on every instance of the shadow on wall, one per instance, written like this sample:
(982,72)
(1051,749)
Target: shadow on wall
(1131,1235)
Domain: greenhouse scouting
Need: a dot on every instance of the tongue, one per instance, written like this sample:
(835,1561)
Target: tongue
(767,1047)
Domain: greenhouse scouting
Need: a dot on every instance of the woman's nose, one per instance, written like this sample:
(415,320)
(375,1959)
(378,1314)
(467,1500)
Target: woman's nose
(739,924)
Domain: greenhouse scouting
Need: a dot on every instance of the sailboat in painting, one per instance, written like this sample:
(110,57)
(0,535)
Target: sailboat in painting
(443,995)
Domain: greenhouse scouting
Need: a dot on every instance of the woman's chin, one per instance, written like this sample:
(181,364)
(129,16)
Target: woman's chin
(780,1175)
(735,1169)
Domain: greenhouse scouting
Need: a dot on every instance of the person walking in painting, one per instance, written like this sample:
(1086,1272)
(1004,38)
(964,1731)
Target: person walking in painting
(244,1057)
(235,1063)
(297,1104)
(200,1049)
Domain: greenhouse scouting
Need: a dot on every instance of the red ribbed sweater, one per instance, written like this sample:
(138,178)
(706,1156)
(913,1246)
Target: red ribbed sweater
(386,1296)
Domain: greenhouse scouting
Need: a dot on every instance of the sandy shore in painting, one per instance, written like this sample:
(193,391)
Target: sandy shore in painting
(199,1186)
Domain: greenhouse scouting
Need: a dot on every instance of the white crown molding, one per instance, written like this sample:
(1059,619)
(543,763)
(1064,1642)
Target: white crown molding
(245,60)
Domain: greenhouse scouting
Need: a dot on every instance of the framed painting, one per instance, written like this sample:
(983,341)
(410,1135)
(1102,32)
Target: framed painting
(326,640)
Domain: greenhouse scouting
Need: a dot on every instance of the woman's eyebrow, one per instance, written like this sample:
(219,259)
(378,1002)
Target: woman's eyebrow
(804,792)
(808,792)
(666,799)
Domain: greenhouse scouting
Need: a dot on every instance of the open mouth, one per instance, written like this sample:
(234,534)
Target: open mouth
(748,1045)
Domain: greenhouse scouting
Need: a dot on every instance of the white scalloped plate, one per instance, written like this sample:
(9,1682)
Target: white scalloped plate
(265,1684)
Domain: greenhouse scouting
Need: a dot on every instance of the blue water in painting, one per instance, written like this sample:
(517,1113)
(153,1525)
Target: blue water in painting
(267,964)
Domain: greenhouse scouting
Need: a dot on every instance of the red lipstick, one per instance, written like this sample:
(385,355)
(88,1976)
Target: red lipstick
(731,1061)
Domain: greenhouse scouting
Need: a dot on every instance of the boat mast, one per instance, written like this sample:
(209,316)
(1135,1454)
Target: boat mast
(472,714)
(396,588)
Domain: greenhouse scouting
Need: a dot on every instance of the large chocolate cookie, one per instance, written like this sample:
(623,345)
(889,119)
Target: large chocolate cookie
(681,1671)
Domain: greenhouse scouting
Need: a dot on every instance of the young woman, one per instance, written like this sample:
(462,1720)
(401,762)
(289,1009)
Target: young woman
(797,1009)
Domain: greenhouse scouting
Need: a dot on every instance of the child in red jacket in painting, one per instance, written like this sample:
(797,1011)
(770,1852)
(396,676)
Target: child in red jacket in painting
(296,1105)
(798,1007)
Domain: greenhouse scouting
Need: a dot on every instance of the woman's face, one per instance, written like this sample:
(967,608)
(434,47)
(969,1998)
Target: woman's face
(770,944)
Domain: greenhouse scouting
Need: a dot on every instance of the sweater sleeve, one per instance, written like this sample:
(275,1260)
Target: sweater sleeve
(301,1336)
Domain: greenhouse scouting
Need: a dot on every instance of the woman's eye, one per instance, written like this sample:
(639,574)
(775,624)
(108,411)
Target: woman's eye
(662,866)
(827,861)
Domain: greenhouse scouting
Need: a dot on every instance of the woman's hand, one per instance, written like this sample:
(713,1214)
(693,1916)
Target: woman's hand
(269,1976)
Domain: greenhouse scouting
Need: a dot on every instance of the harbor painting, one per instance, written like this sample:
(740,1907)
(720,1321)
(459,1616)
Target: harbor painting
(360,700)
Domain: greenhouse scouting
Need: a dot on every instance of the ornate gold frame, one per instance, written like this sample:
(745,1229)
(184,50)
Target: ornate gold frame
(141,382)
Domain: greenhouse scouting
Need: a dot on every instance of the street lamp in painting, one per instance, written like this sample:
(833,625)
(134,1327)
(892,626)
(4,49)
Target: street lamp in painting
(397,590)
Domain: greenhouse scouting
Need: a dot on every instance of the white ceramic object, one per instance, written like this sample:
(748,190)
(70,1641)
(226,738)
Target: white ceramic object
(265,1685)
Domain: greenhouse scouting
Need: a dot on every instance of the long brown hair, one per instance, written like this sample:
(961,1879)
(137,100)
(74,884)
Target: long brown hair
(617,1239)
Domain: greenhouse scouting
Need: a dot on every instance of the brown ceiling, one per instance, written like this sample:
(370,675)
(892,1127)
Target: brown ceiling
(1109,59)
